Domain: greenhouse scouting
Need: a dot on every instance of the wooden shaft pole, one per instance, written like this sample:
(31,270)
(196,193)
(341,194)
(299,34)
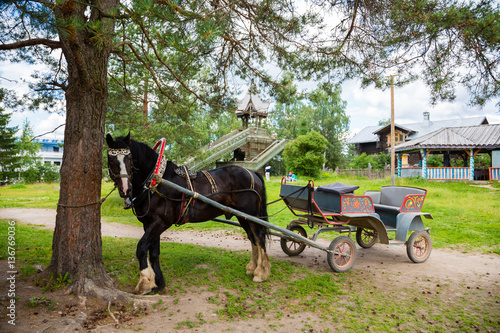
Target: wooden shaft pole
(393,136)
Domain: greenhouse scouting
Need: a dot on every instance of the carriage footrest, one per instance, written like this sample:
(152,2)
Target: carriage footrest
(395,242)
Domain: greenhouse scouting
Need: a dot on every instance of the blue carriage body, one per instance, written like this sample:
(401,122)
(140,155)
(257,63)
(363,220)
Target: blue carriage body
(393,209)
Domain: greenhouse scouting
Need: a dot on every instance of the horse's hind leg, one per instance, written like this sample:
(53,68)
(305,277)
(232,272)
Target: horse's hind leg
(252,265)
(262,269)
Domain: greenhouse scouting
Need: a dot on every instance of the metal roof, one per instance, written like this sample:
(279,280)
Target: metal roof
(482,136)
(428,126)
(421,128)
(366,135)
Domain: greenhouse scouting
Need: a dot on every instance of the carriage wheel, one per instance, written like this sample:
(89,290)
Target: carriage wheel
(291,247)
(419,246)
(366,238)
(342,255)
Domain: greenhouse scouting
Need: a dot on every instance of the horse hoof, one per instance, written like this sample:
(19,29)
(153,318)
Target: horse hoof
(249,272)
(257,279)
(141,292)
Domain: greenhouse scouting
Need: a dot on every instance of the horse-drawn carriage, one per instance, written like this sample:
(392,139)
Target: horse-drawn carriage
(394,209)
(186,196)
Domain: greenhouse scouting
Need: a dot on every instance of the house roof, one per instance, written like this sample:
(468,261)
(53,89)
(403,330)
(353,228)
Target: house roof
(419,129)
(388,127)
(482,136)
(259,106)
(366,135)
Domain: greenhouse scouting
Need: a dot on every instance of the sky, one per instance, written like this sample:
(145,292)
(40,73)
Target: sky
(365,107)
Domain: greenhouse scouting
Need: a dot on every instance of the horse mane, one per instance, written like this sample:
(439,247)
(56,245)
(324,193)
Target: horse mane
(141,152)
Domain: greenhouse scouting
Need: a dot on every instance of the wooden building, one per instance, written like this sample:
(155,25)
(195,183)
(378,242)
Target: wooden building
(467,141)
(376,139)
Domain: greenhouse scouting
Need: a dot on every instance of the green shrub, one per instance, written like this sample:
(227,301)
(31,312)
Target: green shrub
(43,172)
(377,161)
(305,155)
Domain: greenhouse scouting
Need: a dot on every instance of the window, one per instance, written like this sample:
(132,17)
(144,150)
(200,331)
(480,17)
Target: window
(55,149)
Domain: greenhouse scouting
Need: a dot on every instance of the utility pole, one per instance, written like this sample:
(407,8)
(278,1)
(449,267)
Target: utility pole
(393,135)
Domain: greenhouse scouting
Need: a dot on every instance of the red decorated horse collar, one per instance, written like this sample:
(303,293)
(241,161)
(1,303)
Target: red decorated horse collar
(161,162)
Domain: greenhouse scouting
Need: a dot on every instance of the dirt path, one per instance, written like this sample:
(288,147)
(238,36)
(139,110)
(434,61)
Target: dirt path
(451,267)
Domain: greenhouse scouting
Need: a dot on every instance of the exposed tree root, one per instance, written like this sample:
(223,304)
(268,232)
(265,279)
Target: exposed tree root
(89,294)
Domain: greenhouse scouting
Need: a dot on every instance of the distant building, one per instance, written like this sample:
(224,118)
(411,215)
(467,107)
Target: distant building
(51,151)
(467,142)
(376,139)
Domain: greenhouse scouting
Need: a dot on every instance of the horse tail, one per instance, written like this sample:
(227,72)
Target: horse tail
(264,232)
(263,199)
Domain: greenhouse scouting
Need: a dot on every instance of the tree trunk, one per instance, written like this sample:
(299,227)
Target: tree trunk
(77,244)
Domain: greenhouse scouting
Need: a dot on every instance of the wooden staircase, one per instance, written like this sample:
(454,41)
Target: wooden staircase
(258,145)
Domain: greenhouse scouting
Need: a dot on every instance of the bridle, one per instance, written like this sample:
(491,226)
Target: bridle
(150,184)
(115,153)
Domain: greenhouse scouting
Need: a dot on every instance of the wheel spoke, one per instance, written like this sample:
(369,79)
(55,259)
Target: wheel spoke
(343,254)
(339,260)
(420,247)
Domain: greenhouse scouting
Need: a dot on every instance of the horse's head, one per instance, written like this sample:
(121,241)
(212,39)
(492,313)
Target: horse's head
(120,164)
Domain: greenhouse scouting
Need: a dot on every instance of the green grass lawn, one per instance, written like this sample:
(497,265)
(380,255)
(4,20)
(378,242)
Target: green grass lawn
(351,301)
(466,217)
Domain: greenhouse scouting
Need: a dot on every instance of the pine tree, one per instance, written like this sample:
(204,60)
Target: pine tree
(9,161)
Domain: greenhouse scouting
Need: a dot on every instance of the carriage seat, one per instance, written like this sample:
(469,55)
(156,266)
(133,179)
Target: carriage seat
(392,198)
(338,188)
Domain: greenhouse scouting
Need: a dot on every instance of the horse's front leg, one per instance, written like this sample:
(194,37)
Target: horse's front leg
(154,256)
(147,275)
(151,277)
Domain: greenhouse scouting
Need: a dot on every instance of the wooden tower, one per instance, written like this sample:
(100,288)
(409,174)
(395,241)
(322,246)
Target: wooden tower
(251,109)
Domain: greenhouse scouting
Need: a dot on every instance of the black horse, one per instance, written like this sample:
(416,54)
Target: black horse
(131,166)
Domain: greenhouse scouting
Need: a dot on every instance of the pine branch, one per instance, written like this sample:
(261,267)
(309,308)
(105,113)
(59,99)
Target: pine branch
(55,129)
(32,42)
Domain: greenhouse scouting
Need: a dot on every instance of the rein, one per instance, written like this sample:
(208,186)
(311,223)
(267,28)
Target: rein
(283,198)
(157,173)
(100,202)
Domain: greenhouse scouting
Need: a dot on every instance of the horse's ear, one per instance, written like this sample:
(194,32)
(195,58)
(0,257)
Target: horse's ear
(109,140)
(127,139)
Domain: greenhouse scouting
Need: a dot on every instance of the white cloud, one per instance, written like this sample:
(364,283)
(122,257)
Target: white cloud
(367,106)
(40,122)
(48,125)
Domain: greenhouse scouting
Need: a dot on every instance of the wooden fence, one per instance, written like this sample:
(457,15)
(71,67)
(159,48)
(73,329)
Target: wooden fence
(368,173)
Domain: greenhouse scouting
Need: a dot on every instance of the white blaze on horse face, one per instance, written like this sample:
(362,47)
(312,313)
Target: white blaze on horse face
(123,171)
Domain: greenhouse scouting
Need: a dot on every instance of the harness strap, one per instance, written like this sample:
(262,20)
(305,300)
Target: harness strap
(190,186)
(184,217)
(310,190)
(252,182)
(211,180)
